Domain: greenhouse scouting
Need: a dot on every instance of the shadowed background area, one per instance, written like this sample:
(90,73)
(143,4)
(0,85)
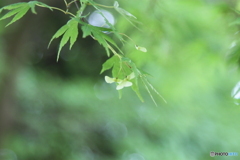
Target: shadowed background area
(66,111)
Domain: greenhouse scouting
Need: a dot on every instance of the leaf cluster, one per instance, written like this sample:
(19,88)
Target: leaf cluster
(18,10)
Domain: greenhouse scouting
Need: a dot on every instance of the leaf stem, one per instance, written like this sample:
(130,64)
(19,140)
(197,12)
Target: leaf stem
(105,6)
(76,4)
(66,3)
(65,12)
(114,52)
(128,37)
(82,8)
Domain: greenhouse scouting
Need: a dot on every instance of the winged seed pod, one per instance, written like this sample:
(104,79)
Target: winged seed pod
(143,49)
(121,83)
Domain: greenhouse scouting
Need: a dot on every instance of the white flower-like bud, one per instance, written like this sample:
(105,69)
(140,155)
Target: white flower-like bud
(131,76)
(125,82)
(143,49)
(111,80)
(121,83)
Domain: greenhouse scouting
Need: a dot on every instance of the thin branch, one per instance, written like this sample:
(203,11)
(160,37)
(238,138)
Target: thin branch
(65,3)
(104,6)
(76,4)
(58,10)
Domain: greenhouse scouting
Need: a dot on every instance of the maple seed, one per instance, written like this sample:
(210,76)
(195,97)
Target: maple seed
(121,83)
(143,49)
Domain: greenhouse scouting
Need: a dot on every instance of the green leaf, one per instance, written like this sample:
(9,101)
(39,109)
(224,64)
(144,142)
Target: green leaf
(69,32)
(83,1)
(125,59)
(116,69)
(107,50)
(44,5)
(73,32)
(109,63)
(91,2)
(97,34)
(19,15)
(113,29)
(110,40)
(86,30)
(59,33)
(13,6)
(32,5)
(63,41)
(11,13)
(132,65)
(99,38)
(102,41)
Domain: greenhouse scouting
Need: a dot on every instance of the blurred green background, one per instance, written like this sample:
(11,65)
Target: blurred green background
(66,111)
